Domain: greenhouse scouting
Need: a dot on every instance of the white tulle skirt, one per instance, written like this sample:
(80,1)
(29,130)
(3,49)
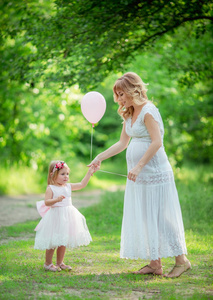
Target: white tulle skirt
(62,226)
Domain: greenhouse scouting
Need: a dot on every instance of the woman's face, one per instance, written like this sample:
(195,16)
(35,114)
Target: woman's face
(125,99)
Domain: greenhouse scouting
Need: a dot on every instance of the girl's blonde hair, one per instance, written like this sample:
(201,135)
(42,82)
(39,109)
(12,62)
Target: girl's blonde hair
(53,171)
(132,85)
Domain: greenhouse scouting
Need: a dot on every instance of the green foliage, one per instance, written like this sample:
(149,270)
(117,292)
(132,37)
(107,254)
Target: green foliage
(83,41)
(189,64)
(186,105)
(52,51)
(21,180)
(194,185)
(98,272)
(38,125)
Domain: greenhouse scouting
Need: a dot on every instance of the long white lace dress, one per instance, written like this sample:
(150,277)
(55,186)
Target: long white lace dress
(152,225)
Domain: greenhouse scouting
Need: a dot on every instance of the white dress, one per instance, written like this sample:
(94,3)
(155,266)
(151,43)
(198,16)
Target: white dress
(61,224)
(152,225)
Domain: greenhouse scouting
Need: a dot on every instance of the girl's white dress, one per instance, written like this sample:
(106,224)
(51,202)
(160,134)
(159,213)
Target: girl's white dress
(152,224)
(61,224)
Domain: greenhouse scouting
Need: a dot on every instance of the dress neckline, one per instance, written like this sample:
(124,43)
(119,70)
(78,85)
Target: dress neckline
(60,186)
(138,114)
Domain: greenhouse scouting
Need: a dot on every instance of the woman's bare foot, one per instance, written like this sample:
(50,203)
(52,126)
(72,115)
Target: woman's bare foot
(178,270)
(150,270)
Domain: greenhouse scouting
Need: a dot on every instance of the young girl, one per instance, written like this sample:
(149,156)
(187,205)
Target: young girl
(62,225)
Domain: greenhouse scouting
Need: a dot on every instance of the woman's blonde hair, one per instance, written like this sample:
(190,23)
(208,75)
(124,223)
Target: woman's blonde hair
(53,170)
(132,85)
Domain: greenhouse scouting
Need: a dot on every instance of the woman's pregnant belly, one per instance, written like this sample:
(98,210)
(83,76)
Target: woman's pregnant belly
(135,151)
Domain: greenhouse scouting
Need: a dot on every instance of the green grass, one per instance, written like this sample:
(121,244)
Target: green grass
(20,180)
(98,272)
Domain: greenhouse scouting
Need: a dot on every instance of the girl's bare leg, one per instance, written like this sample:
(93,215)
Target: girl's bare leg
(49,256)
(60,254)
(60,257)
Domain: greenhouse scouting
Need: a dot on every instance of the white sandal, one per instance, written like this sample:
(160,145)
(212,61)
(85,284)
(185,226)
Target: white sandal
(52,268)
(62,266)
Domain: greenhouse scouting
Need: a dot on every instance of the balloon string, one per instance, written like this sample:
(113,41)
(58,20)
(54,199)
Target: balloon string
(91,157)
(91,144)
(112,173)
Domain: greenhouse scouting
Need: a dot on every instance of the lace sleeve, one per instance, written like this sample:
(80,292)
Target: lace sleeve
(154,112)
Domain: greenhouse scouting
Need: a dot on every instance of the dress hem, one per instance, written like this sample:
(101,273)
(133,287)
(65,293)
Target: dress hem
(149,258)
(67,246)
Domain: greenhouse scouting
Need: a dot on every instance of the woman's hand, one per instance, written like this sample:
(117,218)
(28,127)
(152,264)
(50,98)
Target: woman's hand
(132,175)
(93,169)
(96,163)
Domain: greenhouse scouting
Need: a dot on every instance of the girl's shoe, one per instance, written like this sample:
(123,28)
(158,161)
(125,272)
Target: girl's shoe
(151,270)
(52,268)
(62,266)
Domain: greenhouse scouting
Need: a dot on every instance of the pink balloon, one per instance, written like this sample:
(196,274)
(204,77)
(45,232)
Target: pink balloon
(93,106)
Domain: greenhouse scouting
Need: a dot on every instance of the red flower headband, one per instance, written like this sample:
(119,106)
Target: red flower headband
(58,166)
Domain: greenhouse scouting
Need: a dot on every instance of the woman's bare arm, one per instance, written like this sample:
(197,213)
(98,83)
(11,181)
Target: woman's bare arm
(114,149)
(154,132)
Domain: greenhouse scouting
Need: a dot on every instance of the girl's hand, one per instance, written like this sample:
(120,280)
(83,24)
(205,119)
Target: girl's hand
(60,198)
(132,175)
(93,169)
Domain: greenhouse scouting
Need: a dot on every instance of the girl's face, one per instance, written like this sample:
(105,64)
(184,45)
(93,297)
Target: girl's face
(63,176)
(125,99)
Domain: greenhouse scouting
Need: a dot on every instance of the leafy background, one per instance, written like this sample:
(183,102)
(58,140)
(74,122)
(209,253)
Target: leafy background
(53,52)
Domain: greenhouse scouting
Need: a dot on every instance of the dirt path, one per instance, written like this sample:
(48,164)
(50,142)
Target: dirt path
(17,209)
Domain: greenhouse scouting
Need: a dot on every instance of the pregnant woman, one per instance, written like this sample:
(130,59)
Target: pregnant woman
(152,225)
